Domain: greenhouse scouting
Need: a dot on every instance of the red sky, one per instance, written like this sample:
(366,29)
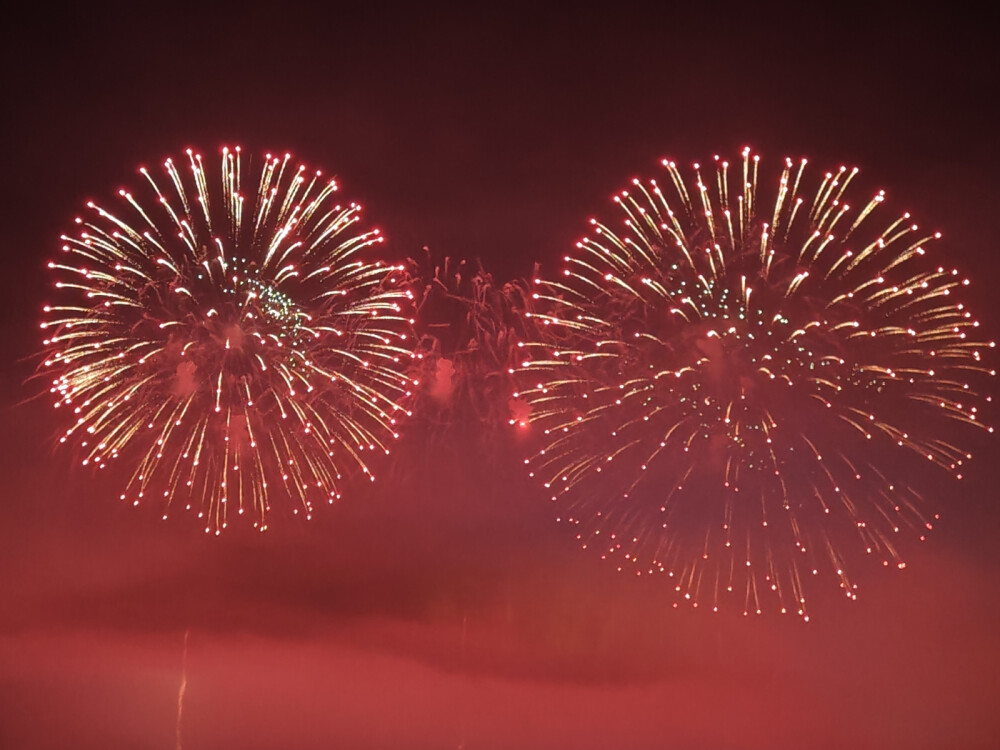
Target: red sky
(445,608)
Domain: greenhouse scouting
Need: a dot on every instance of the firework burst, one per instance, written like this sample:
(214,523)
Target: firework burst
(233,348)
(741,389)
(469,328)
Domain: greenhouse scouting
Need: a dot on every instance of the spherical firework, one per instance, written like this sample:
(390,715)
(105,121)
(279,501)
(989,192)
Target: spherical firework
(231,348)
(739,389)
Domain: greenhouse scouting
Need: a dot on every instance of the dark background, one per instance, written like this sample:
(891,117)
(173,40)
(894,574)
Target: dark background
(444,608)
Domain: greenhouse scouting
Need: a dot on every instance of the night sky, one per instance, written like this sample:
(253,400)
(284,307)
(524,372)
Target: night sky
(442,606)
